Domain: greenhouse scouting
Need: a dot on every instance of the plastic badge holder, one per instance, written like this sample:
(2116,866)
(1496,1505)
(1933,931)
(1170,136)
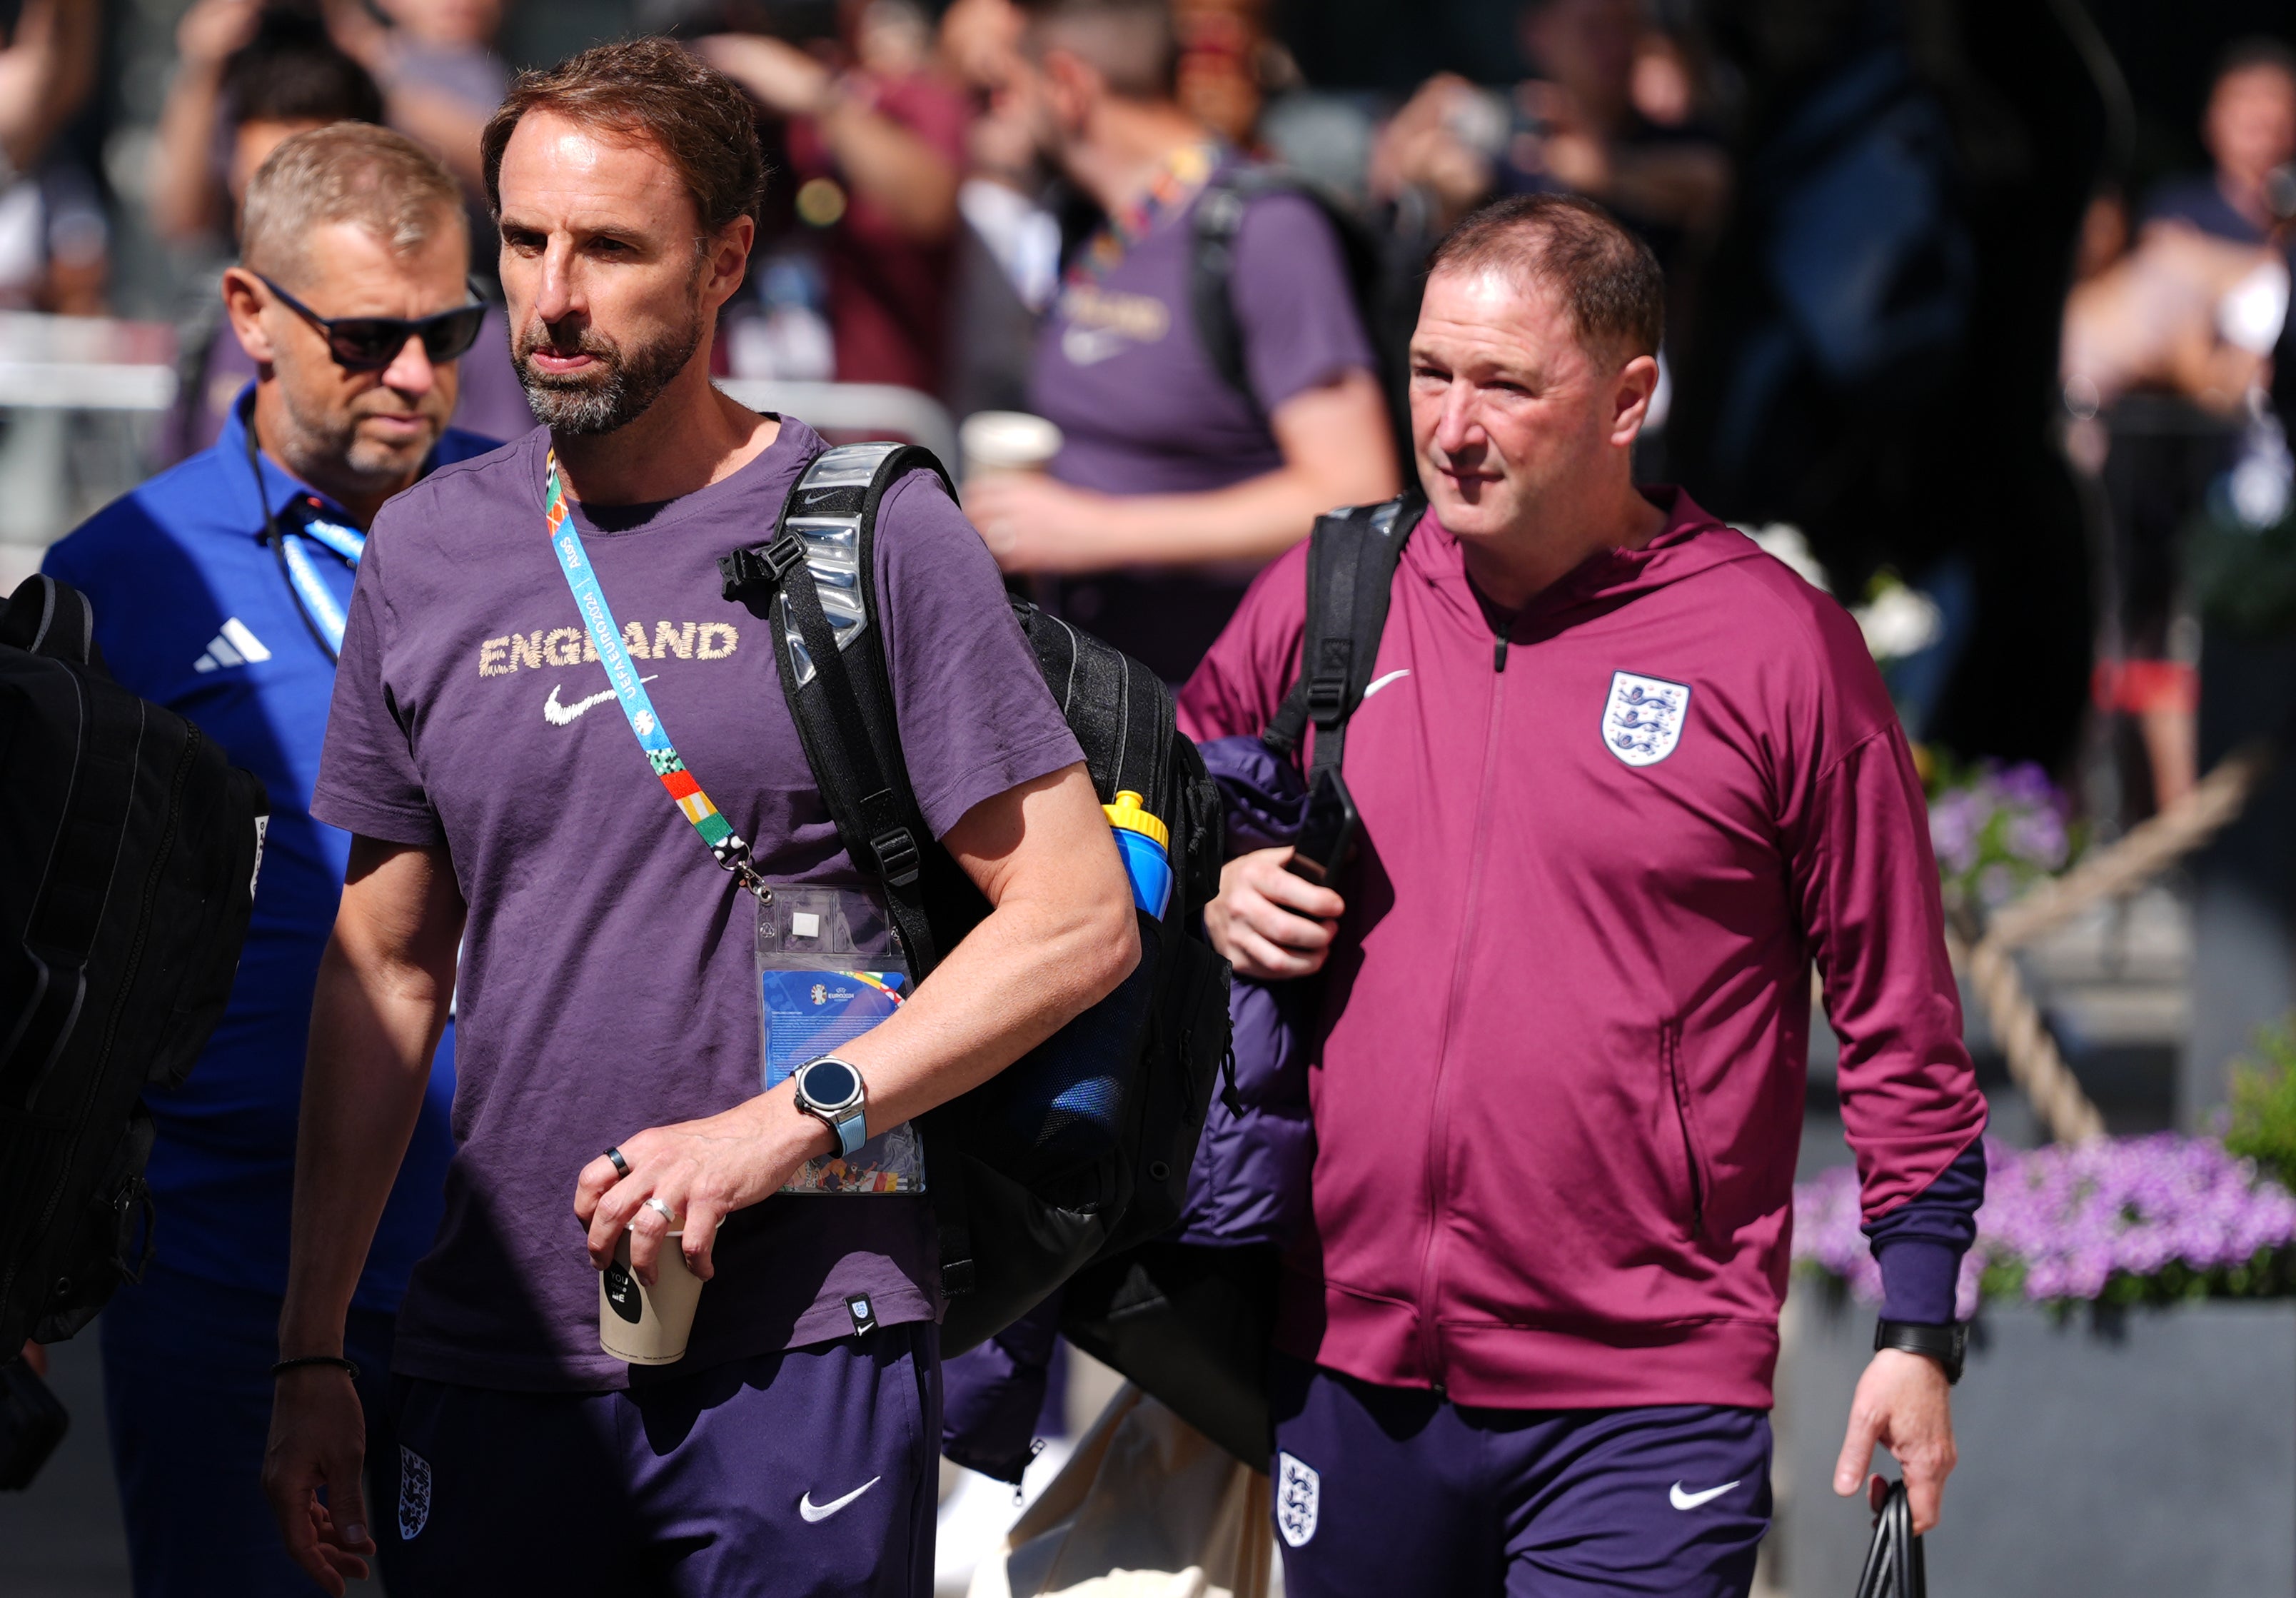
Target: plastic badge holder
(830,967)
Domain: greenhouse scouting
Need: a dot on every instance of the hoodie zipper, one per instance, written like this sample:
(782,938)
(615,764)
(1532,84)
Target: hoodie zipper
(1430,1342)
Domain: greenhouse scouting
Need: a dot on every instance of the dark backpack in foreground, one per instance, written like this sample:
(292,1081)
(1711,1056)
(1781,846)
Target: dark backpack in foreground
(1081,1149)
(1188,1318)
(129,849)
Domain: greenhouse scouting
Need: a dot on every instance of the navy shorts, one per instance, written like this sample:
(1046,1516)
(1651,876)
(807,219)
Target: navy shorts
(1384,1490)
(187,1400)
(802,1474)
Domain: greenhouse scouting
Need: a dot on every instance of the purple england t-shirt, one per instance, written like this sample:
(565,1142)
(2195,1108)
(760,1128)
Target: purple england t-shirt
(607,981)
(1141,410)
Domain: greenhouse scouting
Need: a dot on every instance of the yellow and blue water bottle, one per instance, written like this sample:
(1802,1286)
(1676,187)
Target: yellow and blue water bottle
(1145,843)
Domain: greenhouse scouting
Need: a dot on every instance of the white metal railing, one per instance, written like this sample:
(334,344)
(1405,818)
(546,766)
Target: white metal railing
(85,362)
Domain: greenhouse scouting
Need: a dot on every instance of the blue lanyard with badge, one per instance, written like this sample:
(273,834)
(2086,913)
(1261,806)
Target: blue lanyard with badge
(829,965)
(321,612)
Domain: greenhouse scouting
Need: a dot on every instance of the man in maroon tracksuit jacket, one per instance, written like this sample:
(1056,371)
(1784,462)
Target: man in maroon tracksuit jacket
(1623,779)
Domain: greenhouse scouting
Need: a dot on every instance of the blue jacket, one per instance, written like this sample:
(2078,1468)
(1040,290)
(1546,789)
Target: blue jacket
(193,612)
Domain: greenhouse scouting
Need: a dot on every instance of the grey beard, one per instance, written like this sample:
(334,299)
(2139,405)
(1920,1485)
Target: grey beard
(585,407)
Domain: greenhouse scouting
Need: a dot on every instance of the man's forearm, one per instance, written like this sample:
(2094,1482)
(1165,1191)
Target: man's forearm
(1062,935)
(914,181)
(372,1035)
(1018,978)
(1336,452)
(183,191)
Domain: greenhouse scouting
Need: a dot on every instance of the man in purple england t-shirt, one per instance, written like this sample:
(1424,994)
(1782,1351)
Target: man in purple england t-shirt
(606,981)
(1173,486)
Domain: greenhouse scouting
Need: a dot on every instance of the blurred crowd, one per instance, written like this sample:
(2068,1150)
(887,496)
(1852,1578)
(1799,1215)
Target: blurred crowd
(1869,222)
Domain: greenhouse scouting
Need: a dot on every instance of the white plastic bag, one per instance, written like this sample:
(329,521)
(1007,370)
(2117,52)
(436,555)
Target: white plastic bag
(1146,1507)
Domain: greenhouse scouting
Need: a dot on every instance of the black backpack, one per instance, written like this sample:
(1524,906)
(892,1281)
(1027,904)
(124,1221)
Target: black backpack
(1382,275)
(129,849)
(1081,1149)
(1190,1323)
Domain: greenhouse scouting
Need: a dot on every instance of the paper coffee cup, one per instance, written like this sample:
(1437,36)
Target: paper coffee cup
(1007,441)
(647,1326)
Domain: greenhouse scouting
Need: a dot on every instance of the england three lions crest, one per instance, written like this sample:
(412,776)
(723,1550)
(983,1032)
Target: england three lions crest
(1299,1490)
(1643,720)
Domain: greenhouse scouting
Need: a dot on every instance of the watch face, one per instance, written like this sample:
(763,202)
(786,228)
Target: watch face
(829,1084)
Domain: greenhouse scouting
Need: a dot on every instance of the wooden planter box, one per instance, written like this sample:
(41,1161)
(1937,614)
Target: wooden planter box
(2143,1453)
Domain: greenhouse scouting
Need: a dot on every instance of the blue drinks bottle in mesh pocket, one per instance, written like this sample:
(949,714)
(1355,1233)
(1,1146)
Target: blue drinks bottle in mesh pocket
(1145,843)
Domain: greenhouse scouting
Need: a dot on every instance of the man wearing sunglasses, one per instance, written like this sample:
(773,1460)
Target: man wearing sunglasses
(220,589)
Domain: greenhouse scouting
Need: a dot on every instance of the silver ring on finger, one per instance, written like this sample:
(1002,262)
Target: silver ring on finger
(662,1209)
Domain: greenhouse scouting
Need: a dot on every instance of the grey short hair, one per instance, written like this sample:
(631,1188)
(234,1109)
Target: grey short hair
(345,172)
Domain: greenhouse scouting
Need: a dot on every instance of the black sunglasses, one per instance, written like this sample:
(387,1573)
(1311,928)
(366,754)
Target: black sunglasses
(371,343)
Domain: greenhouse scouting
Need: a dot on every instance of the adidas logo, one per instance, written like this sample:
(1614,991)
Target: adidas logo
(232,646)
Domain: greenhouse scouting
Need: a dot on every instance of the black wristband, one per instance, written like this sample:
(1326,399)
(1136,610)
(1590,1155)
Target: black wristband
(300,1360)
(1947,1344)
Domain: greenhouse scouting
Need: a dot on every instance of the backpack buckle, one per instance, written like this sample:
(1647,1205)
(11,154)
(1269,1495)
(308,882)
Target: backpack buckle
(760,564)
(898,859)
(1327,698)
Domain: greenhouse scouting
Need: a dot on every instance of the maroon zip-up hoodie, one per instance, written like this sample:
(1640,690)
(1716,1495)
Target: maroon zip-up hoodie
(1557,1085)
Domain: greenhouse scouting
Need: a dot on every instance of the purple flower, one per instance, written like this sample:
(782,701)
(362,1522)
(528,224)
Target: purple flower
(2070,1221)
(2026,784)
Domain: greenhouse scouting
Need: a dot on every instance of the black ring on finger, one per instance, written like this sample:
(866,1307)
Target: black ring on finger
(621,1165)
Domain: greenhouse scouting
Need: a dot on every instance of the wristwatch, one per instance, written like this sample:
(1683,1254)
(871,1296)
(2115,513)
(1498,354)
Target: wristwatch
(1947,1345)
(832,1091)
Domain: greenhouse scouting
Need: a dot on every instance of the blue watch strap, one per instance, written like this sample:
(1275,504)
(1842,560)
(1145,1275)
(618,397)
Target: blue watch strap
(852,1132)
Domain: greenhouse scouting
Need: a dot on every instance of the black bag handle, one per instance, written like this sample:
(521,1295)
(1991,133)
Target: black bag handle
(48,618)
(1893,1561)
(1352,560)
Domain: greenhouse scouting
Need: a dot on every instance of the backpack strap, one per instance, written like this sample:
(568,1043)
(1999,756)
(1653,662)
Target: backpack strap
(828,637)
(1215,222)
(818,568)
(48,618)
(1351,561)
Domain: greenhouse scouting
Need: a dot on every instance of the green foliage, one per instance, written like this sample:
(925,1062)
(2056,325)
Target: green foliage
(2263,1126)
(2244,577)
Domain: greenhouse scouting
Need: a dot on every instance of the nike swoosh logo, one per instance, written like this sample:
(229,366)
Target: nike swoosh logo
(811,1510)
(1379,683)
(563,715)
(1682,1500)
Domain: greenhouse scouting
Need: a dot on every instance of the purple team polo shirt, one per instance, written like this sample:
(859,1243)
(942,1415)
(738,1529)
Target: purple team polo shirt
(1141,410)
(606,982)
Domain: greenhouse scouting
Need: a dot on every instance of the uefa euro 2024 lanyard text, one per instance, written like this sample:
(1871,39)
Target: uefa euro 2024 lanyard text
(828,965)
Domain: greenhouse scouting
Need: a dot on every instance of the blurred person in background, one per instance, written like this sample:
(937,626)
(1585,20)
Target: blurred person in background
(440,78)
(1008,253)
(2248,130)
(2187,318)
(1609,113)
(220,589)
(55,239)
(876,141)
(1172,486)
(281,73)
(1216,79)
(248,74)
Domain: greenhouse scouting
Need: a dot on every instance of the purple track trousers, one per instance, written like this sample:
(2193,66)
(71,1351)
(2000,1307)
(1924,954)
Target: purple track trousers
(1384,1491)
(811,1473)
